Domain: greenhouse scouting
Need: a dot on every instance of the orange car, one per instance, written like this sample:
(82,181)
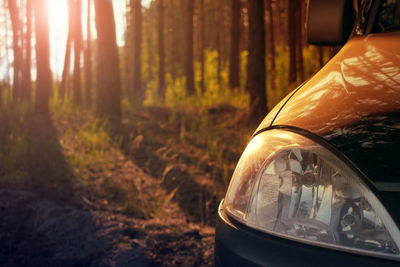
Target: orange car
(319,182)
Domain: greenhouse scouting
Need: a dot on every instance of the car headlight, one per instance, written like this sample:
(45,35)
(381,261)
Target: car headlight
(290,186)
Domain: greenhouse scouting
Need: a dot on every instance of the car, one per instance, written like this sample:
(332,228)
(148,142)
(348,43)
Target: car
(319,182)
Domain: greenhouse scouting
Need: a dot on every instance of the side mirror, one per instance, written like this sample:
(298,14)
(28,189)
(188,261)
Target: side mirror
(329,22)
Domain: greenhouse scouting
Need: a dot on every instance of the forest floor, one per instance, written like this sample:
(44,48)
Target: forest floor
(76,191)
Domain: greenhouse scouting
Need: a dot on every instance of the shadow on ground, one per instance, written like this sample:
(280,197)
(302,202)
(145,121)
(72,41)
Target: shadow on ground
(43,222)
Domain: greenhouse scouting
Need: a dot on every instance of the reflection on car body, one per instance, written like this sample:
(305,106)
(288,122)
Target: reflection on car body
(319,183)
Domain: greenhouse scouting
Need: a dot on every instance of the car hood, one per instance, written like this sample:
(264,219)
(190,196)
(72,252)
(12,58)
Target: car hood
(354,104)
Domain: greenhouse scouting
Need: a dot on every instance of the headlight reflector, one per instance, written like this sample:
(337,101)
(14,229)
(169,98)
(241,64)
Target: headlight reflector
(290,186)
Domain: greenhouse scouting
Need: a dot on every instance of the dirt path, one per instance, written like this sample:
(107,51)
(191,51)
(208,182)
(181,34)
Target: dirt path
(76,192)
(39,231)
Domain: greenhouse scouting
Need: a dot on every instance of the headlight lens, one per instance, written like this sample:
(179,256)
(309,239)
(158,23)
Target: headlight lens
(290,186)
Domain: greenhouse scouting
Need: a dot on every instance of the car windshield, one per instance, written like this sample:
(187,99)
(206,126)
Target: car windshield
(389,17)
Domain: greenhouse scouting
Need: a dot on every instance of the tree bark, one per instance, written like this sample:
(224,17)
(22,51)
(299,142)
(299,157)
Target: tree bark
(108,79)
(218,10)
(320,56)
(26,77)
(17,51)
(256,76)
(64,75)
(43,78)
(271,43)
(202,47)
(161,52)
(138,93)
(172,31)
(77,29)
(292,41)
(234,81)
(299,39)
(189,49)
(88,57)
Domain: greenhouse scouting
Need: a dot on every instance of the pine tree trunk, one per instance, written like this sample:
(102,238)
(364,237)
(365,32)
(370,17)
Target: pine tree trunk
(256,77)
(138,93)
(189,49)
(320,56)
(299,39)
(161,52)
(26,78)
(77,37)
(218,38)
(172,39)
(108,79)
(244,28)
(64,75)
(292,41)
(43,78)
(271,43)
(17,51)
(88,57)
(234,81)
(202,47)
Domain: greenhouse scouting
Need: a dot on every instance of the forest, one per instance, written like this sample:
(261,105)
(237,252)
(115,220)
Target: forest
(121,122)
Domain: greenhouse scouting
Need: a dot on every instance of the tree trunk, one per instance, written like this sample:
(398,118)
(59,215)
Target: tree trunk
(64,75)
(189,49)
(17,51)
(244,27)
(77,29)
(88,58)
(256,60)
(202,47)
(271,35)
(161,51)
(138,93)
(108,80)
(150,52)
(172,39)
(43,78)
(218,10)
(26,77)
(292,41)
(234,81)
(320,56)
(271,43)
(299,39)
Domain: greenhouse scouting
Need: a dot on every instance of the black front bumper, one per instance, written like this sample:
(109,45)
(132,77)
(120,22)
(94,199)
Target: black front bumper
(238,245)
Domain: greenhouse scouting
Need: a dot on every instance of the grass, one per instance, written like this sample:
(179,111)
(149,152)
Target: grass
(76,156)
(189,144)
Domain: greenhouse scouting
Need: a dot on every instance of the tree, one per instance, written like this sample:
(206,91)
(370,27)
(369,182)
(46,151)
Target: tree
(189,48)
(234,81)
(17,50)
(137,48)
(26,74)
(64,74)
(161,51)
(43,79)
(292,41)
(88,57)
(77,38)
(108,80)
(256,60)
(202,46)
(172,54)
(299,38)
(67,57)
(271,46)
(218,11)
